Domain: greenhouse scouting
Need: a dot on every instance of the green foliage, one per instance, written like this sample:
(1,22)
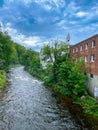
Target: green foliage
(21,50)
(47,81)
(8,53)
(90,105)
(2,79)
(52,56)
(67,76)
(77,78)
(62,90)
(30,59)
(8,56)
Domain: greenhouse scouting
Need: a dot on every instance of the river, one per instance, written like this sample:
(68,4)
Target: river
(26,104)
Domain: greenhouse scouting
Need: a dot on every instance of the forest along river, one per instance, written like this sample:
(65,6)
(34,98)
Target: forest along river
(27,105)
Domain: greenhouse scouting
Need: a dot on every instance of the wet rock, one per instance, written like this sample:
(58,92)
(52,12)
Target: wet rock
(83,98)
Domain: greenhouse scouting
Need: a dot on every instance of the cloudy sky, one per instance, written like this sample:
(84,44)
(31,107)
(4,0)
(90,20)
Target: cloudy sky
(36,22)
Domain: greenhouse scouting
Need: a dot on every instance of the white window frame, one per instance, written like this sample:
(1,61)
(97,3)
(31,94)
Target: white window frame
(81,48)
(73,50)
(76,49)
(92,58)
(93,44)
(86,46)
(86,58)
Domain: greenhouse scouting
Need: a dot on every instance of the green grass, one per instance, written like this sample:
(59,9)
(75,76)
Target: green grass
(2,79)
(90,105)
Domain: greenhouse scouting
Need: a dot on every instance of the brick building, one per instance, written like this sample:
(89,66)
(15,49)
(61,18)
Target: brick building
(88,50)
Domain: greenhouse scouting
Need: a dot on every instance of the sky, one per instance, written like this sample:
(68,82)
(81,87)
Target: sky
(33,23)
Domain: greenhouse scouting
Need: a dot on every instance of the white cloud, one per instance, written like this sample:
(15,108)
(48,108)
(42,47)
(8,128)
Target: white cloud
(23,1)
(59,3)
(73,22)
(72,7)
(81,14)
(93,12)
(95,8)
(61,23)
(51,4)
(30,41)
(27,1)
(1,24)
(47,7)
(8,24)
(10,30)
(39,19)
(89,14)
(9,0)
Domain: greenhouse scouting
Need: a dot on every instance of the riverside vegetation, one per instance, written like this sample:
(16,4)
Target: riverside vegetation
(60,72)
(67,76)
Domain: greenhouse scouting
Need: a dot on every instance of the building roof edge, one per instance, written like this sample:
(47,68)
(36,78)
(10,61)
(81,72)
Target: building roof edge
(85,40)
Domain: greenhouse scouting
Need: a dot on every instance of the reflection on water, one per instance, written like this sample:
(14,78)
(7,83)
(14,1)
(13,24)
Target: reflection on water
(27,105)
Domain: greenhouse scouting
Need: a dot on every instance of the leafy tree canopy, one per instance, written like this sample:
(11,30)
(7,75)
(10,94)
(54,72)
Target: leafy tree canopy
(67,76)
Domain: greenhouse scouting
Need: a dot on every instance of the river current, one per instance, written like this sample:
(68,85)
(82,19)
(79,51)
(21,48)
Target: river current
(26,104)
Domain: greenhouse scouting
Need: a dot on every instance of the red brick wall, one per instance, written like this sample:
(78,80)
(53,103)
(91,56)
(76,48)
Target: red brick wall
(92,66)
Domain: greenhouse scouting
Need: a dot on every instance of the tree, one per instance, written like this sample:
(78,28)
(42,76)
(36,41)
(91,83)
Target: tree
(73,77)
(53,56)
(8,54)
(66,75)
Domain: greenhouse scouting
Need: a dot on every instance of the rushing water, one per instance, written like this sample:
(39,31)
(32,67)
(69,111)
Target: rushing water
(27,105)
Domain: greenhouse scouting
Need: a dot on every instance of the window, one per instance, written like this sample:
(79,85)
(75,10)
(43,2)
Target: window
(93,44)
(91,76)
(86,58)
(80,48)
(86,46)
(73,50)
(76,49)
(92,58)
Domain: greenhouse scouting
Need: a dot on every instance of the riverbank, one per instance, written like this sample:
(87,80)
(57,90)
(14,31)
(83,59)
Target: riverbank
(2,79)
(3,76)
(88,103)
(88,120)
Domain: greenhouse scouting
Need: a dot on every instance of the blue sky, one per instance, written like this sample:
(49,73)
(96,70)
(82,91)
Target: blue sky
(34,23)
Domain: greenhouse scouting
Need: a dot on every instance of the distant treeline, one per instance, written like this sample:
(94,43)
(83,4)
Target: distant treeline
(12,53)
